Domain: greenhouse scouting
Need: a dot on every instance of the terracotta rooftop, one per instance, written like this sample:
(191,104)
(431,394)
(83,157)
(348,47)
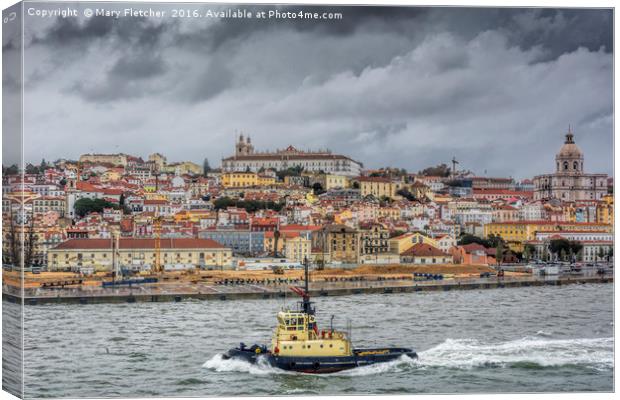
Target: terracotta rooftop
(423,250)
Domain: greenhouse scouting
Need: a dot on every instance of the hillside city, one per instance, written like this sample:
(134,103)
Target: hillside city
(106,212)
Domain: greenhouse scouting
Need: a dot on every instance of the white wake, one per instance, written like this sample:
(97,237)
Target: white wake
(465,354)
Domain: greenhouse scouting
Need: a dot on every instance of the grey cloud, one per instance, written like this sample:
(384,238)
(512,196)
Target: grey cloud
(405,87)
(136,66)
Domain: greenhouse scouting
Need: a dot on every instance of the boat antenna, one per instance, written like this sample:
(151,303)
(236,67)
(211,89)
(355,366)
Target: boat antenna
(306,304)
(306,276)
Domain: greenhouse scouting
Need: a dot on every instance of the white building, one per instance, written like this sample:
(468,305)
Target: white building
(569,182)
(246,158)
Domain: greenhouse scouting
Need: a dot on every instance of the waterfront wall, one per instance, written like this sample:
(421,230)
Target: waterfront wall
(282,292)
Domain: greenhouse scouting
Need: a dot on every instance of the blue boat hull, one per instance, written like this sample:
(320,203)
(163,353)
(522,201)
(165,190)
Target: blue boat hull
(322,365)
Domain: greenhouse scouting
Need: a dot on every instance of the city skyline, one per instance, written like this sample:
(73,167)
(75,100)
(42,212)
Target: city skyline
(400,87)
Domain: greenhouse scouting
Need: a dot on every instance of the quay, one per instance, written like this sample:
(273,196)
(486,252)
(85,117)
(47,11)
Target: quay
(202,291)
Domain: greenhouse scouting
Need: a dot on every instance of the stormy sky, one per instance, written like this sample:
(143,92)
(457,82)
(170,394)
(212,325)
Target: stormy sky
(401,87)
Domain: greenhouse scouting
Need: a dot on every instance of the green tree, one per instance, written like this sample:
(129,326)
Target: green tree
(291,171)
(32,169)
(439,170)
(499,253)
(11,170)
(317,188)
(406,194)
(528,252)
(84,206)
(396,233)
(558,247)
(574,249)
(563,254)
(468,239)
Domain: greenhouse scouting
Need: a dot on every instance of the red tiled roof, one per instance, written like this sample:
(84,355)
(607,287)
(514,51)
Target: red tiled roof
(130,243)
(295,227)
(423,250)
(473,247)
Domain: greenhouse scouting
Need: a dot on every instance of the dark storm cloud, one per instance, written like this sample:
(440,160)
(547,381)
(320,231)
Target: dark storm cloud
(399,86)
(68,31)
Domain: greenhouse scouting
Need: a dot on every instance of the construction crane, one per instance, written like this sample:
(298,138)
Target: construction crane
(454,164)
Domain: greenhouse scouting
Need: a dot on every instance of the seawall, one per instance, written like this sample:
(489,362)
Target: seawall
(257,292)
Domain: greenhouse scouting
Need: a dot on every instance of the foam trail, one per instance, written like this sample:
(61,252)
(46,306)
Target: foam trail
(219,364)
(470,353)
(465,354)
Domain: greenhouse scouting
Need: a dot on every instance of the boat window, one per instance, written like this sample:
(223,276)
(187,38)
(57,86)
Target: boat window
(331,345)
(321,346)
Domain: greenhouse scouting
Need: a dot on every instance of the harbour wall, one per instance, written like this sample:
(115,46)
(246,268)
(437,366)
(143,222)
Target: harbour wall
(272,293)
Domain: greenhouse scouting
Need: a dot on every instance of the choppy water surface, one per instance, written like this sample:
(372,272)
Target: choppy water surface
(503,340)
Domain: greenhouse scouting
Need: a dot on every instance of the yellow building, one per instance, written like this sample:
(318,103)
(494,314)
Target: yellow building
(193,215)
(239,179)
(517,232)
(264,180)
(404,242)
(97,254)
(377,187)
(297,248)
(605,210)
(335,181)
(245,179)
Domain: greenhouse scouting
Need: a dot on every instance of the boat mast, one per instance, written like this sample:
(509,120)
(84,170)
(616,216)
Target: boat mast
(306,297)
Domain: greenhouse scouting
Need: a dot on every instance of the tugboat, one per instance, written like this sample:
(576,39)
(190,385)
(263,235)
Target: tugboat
(298,344)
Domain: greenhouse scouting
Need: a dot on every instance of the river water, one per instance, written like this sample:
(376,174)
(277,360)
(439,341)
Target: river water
(535,339)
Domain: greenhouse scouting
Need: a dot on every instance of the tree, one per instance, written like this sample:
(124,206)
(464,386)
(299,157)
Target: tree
(12,170)
(206,168)
(559,247)
(575,249)
(499,252)
(248,205)
(317,188)
(385,200)
(84,206)
(291,171)
(610,253)
(31,169)
(406,194)
(562,254)
(600,253)
(468,239)
(439,170)
(356,185)
(396,233)
(495,240)
(528,251)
